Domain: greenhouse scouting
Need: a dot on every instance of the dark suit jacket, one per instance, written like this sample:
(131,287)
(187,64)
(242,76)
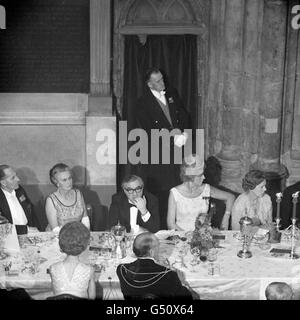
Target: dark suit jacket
(120,211)
(149,115)
(286,205)
(25,203)
(164,285)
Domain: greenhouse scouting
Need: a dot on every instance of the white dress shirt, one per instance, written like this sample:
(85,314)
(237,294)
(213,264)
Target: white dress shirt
(160,96)
(133,218)
(16,210)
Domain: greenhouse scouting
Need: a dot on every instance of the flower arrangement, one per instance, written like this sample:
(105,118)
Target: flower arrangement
(202,237)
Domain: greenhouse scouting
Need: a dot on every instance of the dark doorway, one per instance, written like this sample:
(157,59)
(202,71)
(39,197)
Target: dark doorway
(175,56)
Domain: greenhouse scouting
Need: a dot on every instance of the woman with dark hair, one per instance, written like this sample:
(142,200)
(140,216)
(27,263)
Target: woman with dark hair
(254,202)
(71,276)
(66,204)
(191,198)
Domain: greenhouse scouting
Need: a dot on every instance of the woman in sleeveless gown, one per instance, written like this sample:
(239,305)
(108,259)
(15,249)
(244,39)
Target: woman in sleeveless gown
(71,276)
(191,198)
(254,202)
(66,204)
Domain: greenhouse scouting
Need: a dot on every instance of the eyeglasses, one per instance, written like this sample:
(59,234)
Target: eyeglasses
(137,189)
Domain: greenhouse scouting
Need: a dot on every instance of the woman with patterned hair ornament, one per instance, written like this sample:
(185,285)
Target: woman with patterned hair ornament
(191,198)
(254,202)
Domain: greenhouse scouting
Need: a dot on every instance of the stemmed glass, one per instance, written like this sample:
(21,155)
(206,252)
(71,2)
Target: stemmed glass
(181,253)
(195,260)
(212,257)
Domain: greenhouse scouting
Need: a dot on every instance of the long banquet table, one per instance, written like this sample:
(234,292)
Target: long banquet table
(238,278)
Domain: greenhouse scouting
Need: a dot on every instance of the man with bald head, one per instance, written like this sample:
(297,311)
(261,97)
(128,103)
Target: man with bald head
(279,291)
(145,278)
(15,205)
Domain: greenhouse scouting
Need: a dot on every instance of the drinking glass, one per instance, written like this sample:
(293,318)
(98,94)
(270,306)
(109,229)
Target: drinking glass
(212,257)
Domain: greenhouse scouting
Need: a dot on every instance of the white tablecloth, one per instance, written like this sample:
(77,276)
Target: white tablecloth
(238,279)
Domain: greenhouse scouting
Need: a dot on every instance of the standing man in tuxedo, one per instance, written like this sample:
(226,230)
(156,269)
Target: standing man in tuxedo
(161,108)
(15,205)
(134,207)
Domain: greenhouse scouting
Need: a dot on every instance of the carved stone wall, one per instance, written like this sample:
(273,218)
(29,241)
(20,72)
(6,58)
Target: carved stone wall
(248,62)
(247,72)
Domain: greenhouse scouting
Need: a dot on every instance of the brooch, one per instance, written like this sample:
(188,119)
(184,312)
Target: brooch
(22,198)
(170,99)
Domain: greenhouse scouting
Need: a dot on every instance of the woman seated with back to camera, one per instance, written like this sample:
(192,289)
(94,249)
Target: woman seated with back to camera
(191,198)
(71,276)
(66,204)
(254,202)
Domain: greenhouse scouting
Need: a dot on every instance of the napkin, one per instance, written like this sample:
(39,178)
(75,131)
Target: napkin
(164,234)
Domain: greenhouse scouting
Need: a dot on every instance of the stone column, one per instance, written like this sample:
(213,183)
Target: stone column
(291,113)
(253,20)
(272,84)
(100,46)
(232,93)
(100,123)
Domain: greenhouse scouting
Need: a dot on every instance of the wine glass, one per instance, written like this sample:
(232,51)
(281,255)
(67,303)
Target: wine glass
(195,260)
(212,257)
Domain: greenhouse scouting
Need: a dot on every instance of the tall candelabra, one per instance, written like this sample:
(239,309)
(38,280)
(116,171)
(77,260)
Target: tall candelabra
(245,228)
(278,200)
(292,229)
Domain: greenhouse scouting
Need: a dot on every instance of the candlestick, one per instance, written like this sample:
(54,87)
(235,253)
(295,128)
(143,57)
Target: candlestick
(295,200)
(278,200)
(293,235)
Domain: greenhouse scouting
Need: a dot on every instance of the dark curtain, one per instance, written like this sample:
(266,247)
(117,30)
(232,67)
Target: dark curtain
(175,56)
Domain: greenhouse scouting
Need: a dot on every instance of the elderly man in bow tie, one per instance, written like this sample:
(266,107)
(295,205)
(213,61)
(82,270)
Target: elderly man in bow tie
(15,205)
(161,108)
(134,207)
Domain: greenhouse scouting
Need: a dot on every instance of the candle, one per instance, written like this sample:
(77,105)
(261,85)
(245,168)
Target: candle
(295,200)
(278,200)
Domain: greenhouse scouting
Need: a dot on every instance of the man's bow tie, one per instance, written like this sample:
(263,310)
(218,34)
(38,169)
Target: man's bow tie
(132,205)
(162,93)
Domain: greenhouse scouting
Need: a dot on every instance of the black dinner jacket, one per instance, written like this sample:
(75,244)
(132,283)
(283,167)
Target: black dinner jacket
(286,205)
(120,211)
(149,114)
(167,286)
(25,203)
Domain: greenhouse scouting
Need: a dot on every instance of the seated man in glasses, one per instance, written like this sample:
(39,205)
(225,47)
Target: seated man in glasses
(135,208)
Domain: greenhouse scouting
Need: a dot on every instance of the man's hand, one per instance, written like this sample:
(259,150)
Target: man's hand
(141,204)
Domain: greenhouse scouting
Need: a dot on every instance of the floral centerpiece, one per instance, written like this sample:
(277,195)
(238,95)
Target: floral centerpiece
(202,237)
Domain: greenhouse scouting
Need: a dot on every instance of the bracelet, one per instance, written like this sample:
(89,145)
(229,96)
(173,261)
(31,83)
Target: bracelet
(143,214)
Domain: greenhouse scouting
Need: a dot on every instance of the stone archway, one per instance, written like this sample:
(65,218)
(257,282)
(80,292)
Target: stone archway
(144,17)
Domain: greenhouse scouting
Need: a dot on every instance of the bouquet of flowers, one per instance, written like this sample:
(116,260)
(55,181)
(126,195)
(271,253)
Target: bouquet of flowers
(202,237)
